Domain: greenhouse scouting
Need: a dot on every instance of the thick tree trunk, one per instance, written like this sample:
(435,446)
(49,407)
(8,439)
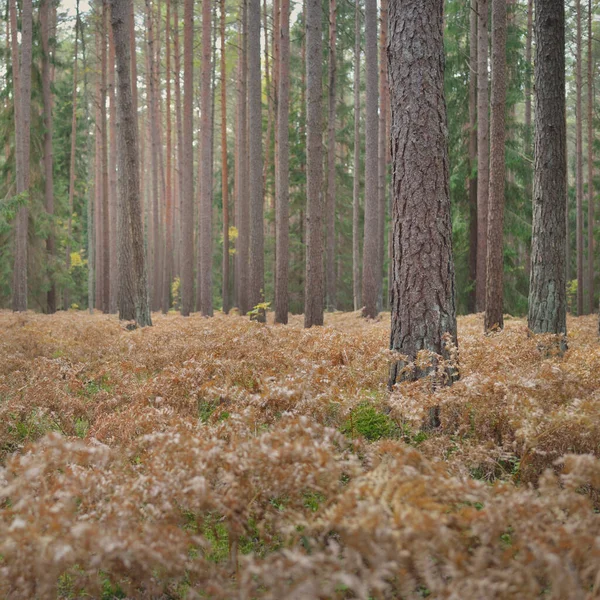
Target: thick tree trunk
(547,292)
(579,165)
(187,213)
(205,217)
(494,302)
(282,165)
(224,170)
(590,163)
(371,243)
(133,284)
(423,295)
(330,255)
(22,137)
(483,152)
(473,65)
(313,294)
(46,26)
(356,284)
(255,181)
(528,74)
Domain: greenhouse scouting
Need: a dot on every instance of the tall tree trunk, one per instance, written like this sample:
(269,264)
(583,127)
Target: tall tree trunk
(330,256)
(224,170)
(187,213)
(205,217)
(46,26)
(98,237)
(547,291)
(72,165)
(423,295)
(371,243)
(22,137)
(105,188)
(494,302)
(112,169)
(528,74)
(383,142)
(473,65)
(590,161)
(282,173)
(356,285)
(133,284)
(255,181)
(483,151)
(168,259)
(579,165)
(179,198)
(313,294)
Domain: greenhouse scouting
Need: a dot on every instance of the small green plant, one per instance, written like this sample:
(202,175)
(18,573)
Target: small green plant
(259,312)
(81,427)
(373,425)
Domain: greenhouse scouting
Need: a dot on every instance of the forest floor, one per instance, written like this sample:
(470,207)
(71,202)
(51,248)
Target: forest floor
(222,458)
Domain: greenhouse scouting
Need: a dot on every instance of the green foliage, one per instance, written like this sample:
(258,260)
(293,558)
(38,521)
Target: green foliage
(365,420)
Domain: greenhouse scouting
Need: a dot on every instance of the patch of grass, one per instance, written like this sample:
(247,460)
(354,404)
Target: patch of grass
(365,420)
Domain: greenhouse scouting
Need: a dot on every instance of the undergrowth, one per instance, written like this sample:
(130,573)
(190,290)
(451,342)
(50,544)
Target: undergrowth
(224,458)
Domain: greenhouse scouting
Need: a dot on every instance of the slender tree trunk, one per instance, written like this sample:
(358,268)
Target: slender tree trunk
(590,161)
(99,246)
(483,152)
(105,188)
(356,284)
(330,257)
(187,214)
(547,292)
(180,161)
(112,168)
(313,295)
(255,181)
(579,165)
(168,259)
(423,294)
(473,65)
(224,171)
(528,74)
(282,163)
(46,26)
(133,284)
(371,243)
(494,302)
(22,137)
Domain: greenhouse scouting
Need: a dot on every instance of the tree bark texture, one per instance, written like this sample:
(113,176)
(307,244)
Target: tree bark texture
(579,164)
(590,163)
(224,169)
(356,284)
(473,154)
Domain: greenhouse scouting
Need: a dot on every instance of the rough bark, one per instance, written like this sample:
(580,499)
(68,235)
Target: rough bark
(330,300)
(590,163)
(46,27)
(98,237)
(313,294)
(371,243)
(579,164)
(133,283)
(356,285)
(282,168)
(423,295)
(473,155)
(483,151)
(255,180)
(494,302)
(224,170)
(168,259)
(547,291)
(22,137)
(528,74)
(187,212)
(112,172)
(104,154)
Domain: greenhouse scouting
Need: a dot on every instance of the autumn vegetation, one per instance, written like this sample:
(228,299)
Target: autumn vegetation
(224,458)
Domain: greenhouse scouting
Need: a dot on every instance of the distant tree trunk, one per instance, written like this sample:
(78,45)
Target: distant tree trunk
(494,302)
(205,217)
(105,188)
(579,163)
(224,170)
(371,243)
(590,161)
(547,292)
(356,285)
(383,142)
(98,237)
(255,181)
(180,161)
(45,26)
(187,213)
(330,256)
(133,282)
(313,294)
(168,261)
(22,135)
(423,295)
(528,73)
(112,168)
(483,151)
(72,165)
(473,65)
(242,214)
(282,172)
